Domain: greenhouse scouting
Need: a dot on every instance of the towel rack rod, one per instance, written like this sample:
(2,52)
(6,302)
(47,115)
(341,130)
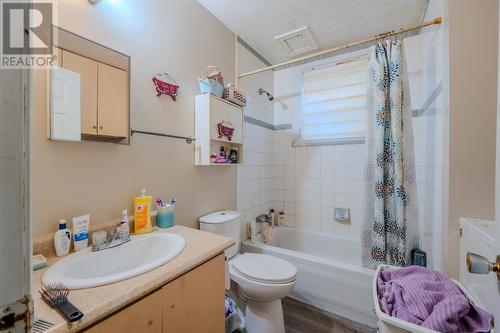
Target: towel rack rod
(188,139)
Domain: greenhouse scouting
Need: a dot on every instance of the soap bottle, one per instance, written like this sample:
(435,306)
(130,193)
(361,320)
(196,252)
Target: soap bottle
(272,216)
(281,218)
(62,239)
(142,213)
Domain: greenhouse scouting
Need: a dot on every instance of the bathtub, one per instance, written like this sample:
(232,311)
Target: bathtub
(330,275)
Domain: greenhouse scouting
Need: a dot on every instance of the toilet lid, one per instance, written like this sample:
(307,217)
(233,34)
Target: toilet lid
(265,268)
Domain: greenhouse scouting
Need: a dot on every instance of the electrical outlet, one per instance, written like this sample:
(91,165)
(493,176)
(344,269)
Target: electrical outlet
(342,215)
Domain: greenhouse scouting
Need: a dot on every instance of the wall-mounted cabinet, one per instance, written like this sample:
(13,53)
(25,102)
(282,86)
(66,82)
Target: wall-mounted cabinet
(210,111)
(104,86)
(104,96)
(112,101)
(88,88)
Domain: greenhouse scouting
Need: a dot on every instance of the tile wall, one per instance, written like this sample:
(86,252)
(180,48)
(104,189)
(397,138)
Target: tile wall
(258,180)
(316,179)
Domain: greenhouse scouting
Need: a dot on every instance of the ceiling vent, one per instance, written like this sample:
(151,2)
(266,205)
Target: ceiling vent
(298,41)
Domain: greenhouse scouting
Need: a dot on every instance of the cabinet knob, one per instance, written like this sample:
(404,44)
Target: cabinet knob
(94,127)
(150,323)
(100,127)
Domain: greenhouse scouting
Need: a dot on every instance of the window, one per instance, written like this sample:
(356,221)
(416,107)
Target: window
(333,103)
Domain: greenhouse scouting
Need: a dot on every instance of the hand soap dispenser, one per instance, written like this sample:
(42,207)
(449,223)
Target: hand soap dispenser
(142,213)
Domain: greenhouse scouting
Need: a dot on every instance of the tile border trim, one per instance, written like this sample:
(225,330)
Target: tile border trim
(261,123)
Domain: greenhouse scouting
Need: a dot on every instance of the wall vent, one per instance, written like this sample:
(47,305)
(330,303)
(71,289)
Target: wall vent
(298,41)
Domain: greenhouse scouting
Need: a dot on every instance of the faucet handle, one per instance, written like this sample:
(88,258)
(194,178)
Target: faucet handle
(99,237)
(122,231)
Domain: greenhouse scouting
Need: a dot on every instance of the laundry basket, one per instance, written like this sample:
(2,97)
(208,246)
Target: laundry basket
(388,324)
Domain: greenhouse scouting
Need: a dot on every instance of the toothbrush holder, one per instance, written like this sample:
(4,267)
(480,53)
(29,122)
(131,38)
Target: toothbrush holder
(165,217)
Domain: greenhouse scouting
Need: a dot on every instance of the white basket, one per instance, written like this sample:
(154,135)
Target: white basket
(388,324)
(234,96)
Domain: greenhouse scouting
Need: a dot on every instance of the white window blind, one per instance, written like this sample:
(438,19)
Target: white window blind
(333,103)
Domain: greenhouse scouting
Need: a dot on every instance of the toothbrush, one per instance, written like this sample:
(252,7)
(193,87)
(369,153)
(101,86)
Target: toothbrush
(159,202)
(173,201)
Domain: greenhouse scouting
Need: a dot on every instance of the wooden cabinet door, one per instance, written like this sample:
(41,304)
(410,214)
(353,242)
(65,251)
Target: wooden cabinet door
(88,88)
(143,316)
(112,101)
(194,302)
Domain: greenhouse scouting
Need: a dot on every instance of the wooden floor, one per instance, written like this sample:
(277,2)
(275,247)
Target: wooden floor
(304,318)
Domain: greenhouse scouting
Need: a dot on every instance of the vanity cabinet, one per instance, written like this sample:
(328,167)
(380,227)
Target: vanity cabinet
(103,94)
(143,316)
(194,302)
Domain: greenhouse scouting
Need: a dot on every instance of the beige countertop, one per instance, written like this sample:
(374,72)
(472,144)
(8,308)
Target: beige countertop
(97,303)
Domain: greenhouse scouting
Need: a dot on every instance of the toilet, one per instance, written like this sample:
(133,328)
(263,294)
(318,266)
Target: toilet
(261,279)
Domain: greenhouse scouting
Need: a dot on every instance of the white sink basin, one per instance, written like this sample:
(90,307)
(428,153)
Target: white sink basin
(85,269)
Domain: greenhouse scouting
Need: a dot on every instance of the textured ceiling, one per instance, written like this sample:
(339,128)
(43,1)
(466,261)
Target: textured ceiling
(333,22)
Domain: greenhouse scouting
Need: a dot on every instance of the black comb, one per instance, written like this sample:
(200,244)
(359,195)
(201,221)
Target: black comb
(56,295)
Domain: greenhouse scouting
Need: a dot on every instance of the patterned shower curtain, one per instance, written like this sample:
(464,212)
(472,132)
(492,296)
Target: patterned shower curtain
(391,228)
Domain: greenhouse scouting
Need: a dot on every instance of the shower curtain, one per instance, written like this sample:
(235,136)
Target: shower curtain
(391,228)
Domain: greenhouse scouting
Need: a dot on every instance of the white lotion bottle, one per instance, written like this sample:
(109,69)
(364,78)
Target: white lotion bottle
(62,239)
(81,232)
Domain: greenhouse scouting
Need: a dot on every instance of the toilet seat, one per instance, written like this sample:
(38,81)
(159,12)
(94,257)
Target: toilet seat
(264,268)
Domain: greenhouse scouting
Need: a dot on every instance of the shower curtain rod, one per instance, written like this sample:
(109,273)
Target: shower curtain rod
(437,20)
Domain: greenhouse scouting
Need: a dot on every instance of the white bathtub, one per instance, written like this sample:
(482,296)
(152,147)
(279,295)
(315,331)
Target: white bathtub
(330,274)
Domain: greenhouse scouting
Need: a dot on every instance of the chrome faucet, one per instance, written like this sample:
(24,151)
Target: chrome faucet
(114,239)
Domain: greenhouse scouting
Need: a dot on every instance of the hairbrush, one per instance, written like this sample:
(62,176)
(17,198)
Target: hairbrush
(56,295)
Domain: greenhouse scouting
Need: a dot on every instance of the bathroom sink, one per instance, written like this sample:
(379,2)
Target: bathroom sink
(85,269)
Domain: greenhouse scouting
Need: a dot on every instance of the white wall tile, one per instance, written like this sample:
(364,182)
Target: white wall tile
(342,172)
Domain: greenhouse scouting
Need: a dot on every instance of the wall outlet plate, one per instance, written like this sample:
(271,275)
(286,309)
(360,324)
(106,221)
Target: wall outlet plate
(342,215)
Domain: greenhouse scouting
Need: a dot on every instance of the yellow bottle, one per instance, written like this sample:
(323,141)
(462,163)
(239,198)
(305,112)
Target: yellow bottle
(142,214)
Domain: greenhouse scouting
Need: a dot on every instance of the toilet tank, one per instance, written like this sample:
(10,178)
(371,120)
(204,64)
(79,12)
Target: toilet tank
(225,223)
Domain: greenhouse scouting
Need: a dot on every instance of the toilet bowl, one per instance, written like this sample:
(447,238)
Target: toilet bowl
(261,279)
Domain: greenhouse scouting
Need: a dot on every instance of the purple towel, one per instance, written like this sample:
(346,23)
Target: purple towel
(430,299)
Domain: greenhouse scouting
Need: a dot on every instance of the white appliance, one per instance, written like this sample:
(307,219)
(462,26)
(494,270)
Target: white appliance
(262,279)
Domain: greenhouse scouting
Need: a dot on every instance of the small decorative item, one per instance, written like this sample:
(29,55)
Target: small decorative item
(225,129)
(166,85)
